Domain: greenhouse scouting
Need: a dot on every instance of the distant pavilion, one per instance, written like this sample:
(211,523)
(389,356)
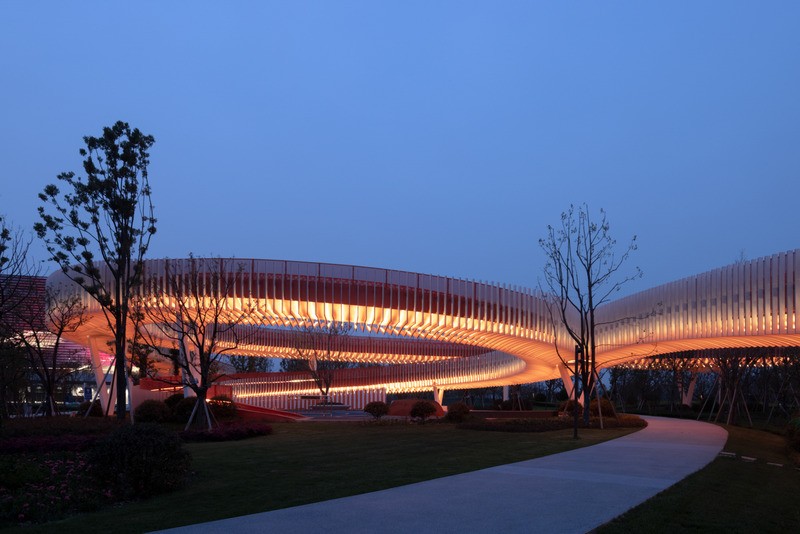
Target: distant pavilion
(433,333)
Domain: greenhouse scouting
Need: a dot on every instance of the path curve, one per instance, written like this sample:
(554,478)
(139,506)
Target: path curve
(530,496)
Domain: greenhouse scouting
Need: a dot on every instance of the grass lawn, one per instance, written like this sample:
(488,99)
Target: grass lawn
(729,495)
(309,462)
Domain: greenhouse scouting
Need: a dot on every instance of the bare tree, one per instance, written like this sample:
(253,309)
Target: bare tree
(16,271)
(16,290)
(733,367)
(582,272)
(105,221)
(14,377)
(781,382)
(648,383)
(188,310)
(318,349)
(41,333)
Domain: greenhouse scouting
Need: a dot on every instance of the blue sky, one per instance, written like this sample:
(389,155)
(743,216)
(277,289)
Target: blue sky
(438,137)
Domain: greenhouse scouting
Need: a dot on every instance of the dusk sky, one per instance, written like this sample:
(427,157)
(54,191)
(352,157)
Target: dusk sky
(436,137)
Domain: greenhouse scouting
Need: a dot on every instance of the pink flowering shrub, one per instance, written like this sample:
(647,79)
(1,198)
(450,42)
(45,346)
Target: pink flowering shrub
(46,472)
(43,487)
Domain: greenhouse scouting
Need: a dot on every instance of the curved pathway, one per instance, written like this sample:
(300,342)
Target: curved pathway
(540,495)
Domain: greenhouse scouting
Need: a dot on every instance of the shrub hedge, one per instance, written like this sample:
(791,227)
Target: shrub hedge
(568,406)
(60,425)
(377,409)
(173,400)
(422,410)
(28,444)
(457,412)
(183,409)
(152,411)
(606,405)
(140,460)
(96,411)
(222,407)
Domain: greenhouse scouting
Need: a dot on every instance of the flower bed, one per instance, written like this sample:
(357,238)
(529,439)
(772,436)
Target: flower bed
(47,486)
(50,467)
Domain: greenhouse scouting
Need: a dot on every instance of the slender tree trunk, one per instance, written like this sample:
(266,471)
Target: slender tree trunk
(120,373)
(49,398)
(201,415)
(575,399)
(3,404)
(587,400)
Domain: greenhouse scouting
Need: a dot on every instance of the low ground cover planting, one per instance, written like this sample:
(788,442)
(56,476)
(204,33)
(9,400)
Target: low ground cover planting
(308,462)
(228,431)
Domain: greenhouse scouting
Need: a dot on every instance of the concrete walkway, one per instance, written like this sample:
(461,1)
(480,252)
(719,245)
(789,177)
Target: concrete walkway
(532,496)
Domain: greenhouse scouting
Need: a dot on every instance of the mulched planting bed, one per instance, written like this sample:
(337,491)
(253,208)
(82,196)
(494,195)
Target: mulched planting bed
(506,414)
(553,423)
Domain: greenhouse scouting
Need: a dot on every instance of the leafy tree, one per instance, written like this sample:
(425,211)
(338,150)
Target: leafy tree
(99,229)
(292,365)
(188,309)
(250,364)
(582,272)
(140,460)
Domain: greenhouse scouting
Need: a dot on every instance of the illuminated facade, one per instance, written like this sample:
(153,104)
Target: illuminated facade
(442,333)
(23,304)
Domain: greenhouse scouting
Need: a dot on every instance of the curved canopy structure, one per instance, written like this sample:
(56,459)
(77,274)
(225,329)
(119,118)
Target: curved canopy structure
(462,333)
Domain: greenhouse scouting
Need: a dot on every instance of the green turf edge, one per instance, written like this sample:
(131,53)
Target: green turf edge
(310,462)
(728,495)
